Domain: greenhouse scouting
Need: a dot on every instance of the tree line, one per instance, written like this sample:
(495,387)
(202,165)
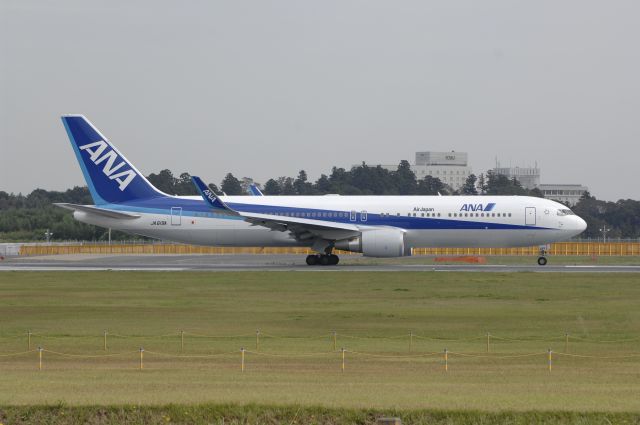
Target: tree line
(27,218)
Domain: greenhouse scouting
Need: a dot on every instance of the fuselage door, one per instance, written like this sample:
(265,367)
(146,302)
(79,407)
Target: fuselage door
(176,216)
(363,216)
(353,216)
(530,216)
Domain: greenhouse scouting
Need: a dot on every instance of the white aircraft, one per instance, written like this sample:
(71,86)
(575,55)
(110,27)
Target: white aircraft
(376,226)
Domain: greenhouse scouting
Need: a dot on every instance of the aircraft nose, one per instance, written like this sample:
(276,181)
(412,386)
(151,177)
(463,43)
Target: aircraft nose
(581,225)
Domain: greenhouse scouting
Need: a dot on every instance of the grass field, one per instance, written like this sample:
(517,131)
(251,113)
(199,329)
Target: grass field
(296,312)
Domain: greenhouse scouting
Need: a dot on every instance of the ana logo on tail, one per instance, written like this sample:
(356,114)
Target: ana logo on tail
(98,155)
(210,196)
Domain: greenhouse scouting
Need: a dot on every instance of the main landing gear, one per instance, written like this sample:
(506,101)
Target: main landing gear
(322,260)
(542,260)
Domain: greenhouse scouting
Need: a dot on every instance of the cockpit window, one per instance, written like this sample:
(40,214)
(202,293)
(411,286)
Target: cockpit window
(565,211)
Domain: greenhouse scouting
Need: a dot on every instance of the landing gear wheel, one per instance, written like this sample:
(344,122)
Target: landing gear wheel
(542,261)
(322,260)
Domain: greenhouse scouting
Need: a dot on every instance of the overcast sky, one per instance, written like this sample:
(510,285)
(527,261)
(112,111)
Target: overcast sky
(266,88)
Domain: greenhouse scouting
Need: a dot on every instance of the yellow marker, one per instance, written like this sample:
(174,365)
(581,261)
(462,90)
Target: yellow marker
(39,358)
(549,359)
(242,359)
(335,341)
(446,360)
(141,358)
(343,351)
(105,340)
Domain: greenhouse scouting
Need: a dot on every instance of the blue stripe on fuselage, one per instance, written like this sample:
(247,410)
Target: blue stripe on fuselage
(197,207)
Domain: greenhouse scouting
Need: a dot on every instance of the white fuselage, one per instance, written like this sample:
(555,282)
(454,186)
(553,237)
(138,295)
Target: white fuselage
(428,221)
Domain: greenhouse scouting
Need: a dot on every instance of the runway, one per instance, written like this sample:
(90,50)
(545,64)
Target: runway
(281,263)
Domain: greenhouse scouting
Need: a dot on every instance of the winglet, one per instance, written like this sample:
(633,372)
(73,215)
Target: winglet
(254,190)
(209,197)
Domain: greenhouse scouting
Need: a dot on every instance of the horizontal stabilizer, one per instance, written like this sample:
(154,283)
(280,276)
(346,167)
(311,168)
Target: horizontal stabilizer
(98,211)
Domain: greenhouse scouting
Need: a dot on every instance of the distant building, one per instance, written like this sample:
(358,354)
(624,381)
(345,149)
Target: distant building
(566,193)
(450,167)
(529,177)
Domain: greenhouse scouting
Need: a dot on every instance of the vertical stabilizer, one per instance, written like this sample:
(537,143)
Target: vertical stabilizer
(110,176)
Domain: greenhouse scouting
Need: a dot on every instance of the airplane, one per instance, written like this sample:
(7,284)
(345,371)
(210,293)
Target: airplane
(376,226)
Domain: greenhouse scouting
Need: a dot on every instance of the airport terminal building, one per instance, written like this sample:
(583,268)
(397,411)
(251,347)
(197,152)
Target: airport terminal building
(451,168)
(568,194)
(529,177)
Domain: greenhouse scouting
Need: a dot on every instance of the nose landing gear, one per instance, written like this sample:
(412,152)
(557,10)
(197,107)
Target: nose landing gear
(322,260)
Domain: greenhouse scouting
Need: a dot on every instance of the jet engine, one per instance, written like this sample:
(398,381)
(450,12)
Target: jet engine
(377,243)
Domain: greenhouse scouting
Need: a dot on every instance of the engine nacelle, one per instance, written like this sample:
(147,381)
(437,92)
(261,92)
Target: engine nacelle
(377,243)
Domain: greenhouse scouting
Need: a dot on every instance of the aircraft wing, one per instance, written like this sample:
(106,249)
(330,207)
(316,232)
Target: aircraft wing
(300,228)
(303,228)
(97,211)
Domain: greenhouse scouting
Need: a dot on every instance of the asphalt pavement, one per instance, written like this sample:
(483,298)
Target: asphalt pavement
(274,263)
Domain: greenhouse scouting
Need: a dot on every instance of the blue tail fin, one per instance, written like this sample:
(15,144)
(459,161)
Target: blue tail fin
(254,190)
(207,194)
(110,177)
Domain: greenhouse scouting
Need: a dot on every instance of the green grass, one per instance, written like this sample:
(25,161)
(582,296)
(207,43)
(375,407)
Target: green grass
(276,415)
(371,312)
